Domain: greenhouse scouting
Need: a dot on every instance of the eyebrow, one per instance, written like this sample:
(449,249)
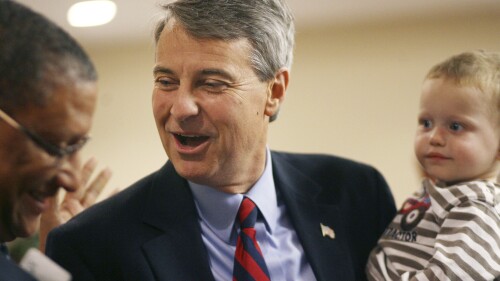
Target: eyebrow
(203,72)
(217,72)
(161,69)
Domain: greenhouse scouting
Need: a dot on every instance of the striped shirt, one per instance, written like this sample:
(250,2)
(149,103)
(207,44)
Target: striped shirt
(450,233)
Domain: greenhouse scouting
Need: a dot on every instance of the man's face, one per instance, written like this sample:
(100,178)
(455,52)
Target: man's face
(211,110)
(28,175)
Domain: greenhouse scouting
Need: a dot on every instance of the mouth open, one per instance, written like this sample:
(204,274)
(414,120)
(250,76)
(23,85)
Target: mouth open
(190,141)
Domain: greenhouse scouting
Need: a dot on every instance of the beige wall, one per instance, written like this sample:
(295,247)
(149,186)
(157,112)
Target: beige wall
(354,93)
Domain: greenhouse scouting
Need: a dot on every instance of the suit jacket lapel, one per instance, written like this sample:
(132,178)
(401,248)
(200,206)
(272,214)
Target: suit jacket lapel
(178,252)
(329,258)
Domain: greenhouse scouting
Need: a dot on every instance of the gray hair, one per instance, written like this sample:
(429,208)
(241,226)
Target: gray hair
(266,24)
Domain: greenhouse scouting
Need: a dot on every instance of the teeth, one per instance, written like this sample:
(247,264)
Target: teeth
(184,139)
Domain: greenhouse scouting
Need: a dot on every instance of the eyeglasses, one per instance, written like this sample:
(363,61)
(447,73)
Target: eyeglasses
(51,149)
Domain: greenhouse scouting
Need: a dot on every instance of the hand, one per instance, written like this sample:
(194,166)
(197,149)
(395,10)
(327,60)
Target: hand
(73,202)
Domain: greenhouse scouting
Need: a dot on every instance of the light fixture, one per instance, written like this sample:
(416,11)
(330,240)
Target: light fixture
(91,13)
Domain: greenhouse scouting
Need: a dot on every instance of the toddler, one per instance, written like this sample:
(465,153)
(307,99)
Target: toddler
(450,230)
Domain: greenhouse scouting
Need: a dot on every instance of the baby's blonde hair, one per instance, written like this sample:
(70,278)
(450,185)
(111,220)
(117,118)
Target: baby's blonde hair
(478,69)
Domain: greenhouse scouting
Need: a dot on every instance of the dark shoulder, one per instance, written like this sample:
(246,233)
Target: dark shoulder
(338,177)
(324,165)
(126,203)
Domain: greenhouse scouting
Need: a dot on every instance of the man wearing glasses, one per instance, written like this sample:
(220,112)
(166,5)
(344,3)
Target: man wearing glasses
(47,98)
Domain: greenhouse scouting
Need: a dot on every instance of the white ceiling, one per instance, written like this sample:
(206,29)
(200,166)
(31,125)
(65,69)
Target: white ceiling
(135,18)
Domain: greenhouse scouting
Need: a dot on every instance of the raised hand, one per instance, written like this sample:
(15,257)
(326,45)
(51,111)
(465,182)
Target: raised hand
(74,202)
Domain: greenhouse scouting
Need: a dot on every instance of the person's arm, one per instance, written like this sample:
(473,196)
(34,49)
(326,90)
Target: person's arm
(73,202)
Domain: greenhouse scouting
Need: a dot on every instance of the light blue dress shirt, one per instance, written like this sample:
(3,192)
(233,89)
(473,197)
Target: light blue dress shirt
(276,236)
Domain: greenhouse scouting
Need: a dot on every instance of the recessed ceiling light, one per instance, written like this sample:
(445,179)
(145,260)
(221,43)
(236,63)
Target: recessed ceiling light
(91,13)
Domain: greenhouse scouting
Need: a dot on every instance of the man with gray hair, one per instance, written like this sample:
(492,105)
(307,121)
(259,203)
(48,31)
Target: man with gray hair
(226,207)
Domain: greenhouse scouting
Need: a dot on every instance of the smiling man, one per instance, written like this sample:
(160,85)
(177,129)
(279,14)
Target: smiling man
(47,98)
(212,110)
(226,207)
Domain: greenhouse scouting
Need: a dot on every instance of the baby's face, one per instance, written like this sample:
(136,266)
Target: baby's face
(457,138)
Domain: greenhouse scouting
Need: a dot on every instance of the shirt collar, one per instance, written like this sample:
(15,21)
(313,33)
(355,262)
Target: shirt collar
(218,209)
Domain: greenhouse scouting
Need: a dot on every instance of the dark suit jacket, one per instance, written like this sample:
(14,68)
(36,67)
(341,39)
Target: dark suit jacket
(9,271)
(150,231)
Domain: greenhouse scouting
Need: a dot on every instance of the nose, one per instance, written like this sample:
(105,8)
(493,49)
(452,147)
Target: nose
(185,105)
(68,175)
(437,137)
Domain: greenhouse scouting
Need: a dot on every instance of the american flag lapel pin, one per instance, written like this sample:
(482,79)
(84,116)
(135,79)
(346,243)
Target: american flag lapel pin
(327,231)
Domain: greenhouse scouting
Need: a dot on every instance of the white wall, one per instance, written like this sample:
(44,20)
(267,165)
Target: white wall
(354,93)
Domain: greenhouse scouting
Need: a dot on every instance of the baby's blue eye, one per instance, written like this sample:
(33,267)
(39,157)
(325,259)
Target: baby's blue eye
(455,126)
(426,123)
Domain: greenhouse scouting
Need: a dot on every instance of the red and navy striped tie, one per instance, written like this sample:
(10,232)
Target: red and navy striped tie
(249,264)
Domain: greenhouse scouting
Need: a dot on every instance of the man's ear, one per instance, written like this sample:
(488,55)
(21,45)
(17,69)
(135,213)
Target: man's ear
(498,153)
(276,93)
